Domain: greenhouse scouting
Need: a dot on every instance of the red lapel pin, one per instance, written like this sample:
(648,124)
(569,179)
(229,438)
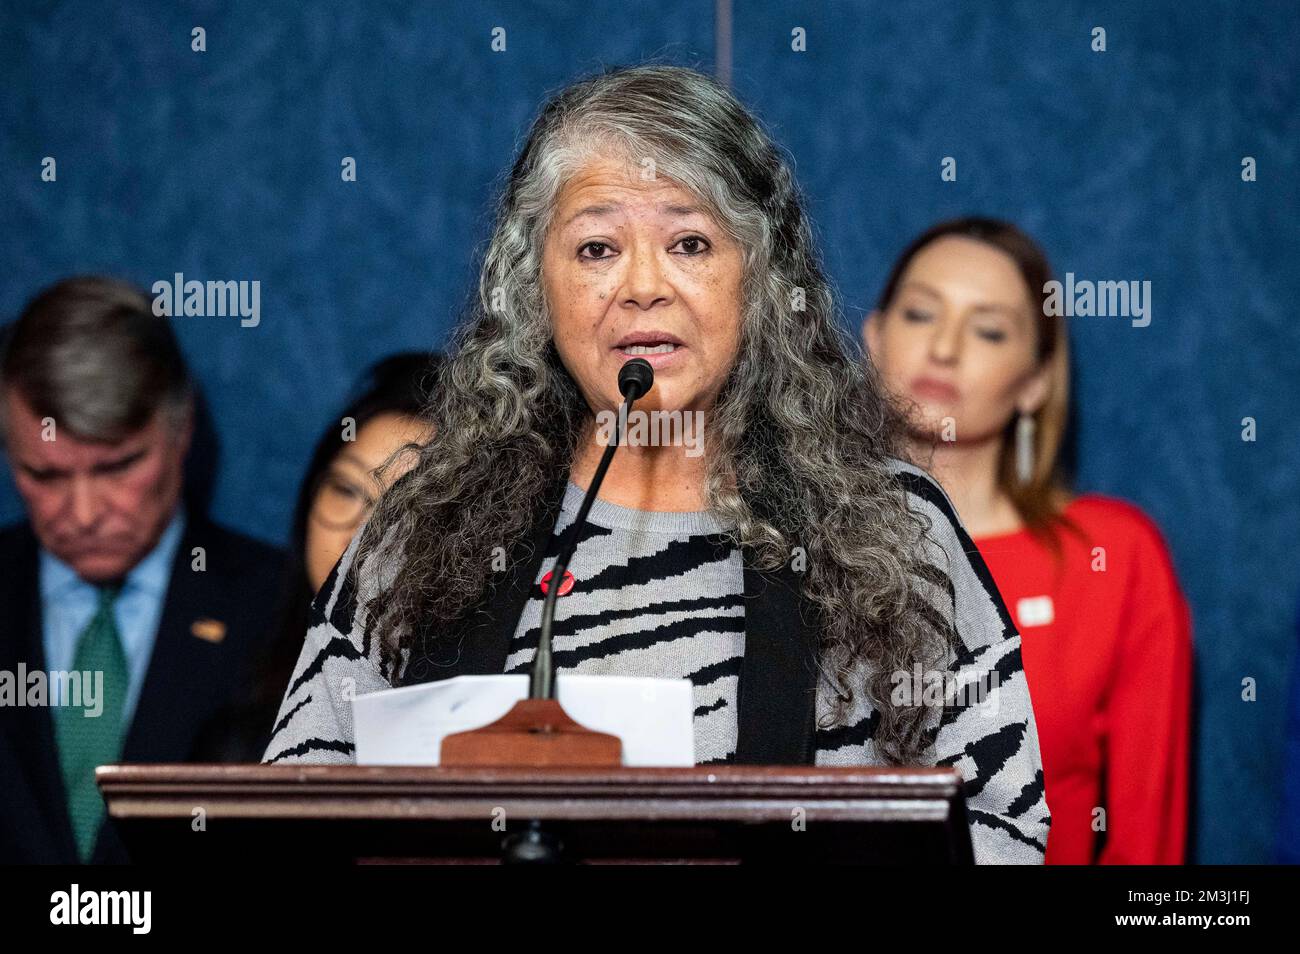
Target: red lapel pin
(566,584)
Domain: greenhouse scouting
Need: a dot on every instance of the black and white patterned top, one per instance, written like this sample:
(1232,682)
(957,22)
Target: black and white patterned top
(683,617)
(654,594)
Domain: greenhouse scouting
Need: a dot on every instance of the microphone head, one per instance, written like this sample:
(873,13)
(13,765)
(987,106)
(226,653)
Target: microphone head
(635,375)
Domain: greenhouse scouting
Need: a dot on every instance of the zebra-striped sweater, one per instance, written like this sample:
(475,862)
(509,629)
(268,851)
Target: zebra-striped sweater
(655,594)
(662,594)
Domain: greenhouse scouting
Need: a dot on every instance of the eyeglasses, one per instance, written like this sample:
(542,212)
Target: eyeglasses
(339,503)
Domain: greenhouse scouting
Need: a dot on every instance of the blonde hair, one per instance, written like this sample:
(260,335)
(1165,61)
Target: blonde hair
(1040,501)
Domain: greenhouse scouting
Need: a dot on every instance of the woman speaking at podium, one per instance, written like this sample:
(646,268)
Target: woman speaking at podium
(760,537)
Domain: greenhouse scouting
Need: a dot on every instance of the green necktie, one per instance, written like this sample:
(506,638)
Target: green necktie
(87,739)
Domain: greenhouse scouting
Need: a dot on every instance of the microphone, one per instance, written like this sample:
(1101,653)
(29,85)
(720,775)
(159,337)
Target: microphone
(635,379)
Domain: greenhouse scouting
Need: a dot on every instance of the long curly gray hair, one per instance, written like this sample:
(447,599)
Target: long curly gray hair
(798,439)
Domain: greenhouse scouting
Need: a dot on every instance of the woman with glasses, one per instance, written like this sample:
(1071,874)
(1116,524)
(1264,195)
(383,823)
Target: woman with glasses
(344,479)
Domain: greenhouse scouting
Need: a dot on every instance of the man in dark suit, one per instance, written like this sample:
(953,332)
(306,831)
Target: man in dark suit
(126,622)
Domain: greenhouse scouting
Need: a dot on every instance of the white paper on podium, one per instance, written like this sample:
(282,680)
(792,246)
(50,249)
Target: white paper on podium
(406,726)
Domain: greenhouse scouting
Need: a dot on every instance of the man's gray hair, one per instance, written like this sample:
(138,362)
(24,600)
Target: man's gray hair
(90,353)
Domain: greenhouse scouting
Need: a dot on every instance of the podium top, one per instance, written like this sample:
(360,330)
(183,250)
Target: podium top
(639,811)
(323,791)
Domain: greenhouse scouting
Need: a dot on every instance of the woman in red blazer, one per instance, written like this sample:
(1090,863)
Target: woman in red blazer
(961,337)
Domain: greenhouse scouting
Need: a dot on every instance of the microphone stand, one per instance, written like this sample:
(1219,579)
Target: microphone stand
(537,732)
(541,683)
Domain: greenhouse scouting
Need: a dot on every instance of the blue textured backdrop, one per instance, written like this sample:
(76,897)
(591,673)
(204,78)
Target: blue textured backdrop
(1126,164)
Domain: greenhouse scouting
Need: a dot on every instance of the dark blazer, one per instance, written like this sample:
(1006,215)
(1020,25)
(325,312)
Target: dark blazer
(188,679)
(778,676)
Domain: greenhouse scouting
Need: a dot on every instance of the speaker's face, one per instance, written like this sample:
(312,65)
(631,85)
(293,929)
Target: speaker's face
(634,266)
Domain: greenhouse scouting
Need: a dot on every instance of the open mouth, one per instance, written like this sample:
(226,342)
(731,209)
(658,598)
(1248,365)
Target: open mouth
(648,343)
(666,347)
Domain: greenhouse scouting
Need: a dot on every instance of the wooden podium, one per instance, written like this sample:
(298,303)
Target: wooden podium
(705,814)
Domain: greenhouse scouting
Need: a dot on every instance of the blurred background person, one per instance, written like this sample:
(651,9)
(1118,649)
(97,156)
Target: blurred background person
(109,573)
(961,339)
(345,477)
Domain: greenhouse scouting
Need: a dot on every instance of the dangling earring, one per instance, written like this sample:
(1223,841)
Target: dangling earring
(1025,427)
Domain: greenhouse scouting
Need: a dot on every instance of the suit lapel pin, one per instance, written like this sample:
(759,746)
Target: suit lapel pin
(209,630)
